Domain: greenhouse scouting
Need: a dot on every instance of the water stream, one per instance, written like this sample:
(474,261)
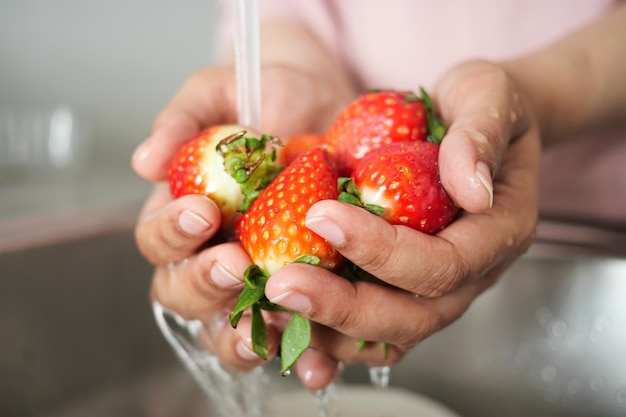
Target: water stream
(379,376)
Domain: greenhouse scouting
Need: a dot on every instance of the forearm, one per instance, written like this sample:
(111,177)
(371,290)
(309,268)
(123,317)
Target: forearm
(578,84)
(289,43)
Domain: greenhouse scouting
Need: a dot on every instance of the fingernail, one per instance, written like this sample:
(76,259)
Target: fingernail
(483,173)
(143,151)
(222,277)
(327,229)
(245,353)
(293,301)
(192,224)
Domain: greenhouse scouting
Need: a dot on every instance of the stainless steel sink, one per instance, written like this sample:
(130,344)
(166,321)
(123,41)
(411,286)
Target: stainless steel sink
(79,338)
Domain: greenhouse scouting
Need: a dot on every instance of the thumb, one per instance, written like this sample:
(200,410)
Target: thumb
(204,100)
(481,105)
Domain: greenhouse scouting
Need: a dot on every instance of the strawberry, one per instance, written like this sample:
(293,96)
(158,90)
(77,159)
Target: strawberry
(401,181)
(299,143)
(273,233)
(378,118)
(218,162)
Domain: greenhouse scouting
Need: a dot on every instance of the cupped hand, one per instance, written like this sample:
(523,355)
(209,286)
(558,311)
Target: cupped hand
(489,164)
(197,275)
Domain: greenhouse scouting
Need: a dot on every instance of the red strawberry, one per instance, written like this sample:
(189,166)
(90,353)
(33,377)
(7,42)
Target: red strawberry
(273,232)
(403,179)
(199,167)
(379,118)
(299,143)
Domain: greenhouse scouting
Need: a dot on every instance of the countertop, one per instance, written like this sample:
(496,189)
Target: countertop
(44,210)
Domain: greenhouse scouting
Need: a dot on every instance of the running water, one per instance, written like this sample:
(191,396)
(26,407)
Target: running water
(231,394)
(248,64)
(326,399)
(379,376)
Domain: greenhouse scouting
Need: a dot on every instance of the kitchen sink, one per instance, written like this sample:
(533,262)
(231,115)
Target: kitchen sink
(79,337)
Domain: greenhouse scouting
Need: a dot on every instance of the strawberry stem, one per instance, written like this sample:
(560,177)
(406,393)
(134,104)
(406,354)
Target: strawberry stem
(260,343)
(251,162)
(254,291)
(253,296)
(436,129)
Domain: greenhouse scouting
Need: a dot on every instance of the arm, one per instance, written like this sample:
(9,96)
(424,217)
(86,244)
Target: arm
(577,84)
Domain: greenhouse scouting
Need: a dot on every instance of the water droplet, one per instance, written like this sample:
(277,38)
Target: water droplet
(325,399)
(379,376)
(286,373)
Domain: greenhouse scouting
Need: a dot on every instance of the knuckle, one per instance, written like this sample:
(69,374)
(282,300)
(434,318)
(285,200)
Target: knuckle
(147,245)
(422,327)
(445,278)
(199,278)
(159,239)
(341,320)
(377,258)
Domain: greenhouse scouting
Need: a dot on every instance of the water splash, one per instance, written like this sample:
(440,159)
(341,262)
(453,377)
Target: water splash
(379,376)
(326,399)
(232,394)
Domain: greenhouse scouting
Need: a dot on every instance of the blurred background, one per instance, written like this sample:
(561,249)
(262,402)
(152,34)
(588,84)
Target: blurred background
(80,84)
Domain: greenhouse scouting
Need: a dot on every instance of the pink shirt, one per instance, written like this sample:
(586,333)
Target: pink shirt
(404,44)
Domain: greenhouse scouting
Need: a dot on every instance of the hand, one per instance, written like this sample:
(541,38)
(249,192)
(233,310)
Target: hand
(196,275)
(489,163)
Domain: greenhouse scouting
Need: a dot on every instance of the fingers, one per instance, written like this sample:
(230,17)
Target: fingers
(234,346)
(205,287)
(405,258)
(204,284)
(363,310)
(207,98)
(170,230)
(316,369)
(486,111)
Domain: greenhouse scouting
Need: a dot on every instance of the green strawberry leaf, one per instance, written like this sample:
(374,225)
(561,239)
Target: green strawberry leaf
(295,340)
(344,184)
(307,259)
(374,209)
(436,129)
(350,199)
(267,305)
(254,290)
(255,277)
(247,298)
(361,344)
(260,341)
(349,193)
